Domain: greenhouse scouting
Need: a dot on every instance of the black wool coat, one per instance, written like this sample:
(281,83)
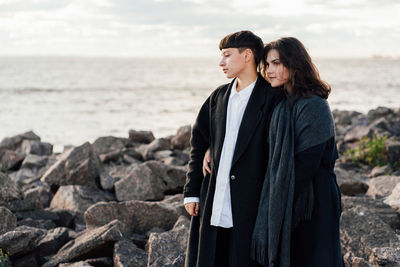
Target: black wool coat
(247,173)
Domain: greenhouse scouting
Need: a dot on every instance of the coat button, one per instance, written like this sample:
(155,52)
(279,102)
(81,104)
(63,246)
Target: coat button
(233,177)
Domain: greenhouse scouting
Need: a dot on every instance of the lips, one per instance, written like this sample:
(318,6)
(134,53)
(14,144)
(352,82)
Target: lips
(224,70)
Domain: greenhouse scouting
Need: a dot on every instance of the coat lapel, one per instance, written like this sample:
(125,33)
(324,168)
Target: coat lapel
(251,117)
(218,124)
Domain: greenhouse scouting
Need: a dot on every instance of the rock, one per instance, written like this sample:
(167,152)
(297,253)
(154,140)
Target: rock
(165,262)
(101,262)
(350,183)
(382,186)
(114,155)
(393,152)
(171,244)
(30,201)
(21,240)
(76,264)
(138,215)
(43,224)
(10,160)
(27,260)
(380,170)
(108,144)
(132,152)
(150,181)
(375,206)
(97,242)
(379,112)
(78,198)
(182,138)
(343,117)
(107,181)
(78,166)
(37,215)
(66,217)
(357,133)
(52,241)
(8,190)
(14,142)
(143,137)
(157,145)
(8,221)
(159,155)
(367,236)
(34,161)
(126,254)
(394,198)
(24,176)
(36,147)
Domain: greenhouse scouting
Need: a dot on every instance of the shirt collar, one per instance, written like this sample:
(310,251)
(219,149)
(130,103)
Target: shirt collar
(244,93)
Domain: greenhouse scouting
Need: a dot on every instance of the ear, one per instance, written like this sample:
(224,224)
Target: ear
(248,55)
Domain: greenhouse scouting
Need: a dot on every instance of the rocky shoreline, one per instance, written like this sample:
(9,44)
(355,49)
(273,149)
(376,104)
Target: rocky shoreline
(118,201)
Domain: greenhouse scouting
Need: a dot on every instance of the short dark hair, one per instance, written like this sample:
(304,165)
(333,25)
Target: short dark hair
(244,40)
(304,77)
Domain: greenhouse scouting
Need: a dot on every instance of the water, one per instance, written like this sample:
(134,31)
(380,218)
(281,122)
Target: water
(68,101)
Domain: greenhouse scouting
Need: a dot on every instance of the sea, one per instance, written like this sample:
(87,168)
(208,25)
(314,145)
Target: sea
(71,100)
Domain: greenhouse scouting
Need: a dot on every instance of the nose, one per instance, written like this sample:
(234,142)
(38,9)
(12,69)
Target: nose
(269,70)
(222,62)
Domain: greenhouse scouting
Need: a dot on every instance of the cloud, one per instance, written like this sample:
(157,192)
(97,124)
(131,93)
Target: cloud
(192,27)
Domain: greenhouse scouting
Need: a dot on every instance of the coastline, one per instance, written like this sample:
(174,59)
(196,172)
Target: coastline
(105,201)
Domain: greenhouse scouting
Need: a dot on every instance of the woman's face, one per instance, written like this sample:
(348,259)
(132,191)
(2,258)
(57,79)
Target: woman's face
(277,73)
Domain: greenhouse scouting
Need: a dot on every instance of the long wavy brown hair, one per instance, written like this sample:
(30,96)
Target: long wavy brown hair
(304,79)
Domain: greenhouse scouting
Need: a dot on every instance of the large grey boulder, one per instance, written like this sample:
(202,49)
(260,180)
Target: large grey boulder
(52,241)
(156,145)
(21,240)
(107,144)
(144,137)
(379,112)
(8,220)
(182,138)
(393,152)
(376,206)
(350,182)
(78,166)
(127,254)
(382,186)
(78,197)
(15,142)
(151,181)
(365,235)
(32,161)
(170,245)
(140,216)
(9,190)
(394,198)
(10,160)
(96,242)
(36,147)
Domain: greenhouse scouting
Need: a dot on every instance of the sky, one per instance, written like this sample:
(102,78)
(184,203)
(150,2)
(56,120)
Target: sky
(193,28)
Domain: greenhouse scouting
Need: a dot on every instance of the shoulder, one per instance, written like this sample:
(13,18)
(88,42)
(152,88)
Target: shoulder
(218,93)
(314,103)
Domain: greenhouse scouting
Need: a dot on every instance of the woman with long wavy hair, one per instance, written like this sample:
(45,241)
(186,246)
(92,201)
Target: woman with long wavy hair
(299,210)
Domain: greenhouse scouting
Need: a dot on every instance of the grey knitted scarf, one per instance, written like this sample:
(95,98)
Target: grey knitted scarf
(294,127)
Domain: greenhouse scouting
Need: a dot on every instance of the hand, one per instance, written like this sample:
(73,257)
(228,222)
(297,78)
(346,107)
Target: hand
(206,162)
(192,208)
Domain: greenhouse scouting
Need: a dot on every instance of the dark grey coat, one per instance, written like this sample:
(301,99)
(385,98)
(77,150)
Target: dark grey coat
(247,172)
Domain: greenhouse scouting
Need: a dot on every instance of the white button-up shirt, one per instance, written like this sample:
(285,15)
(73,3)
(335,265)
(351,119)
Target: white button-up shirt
(222,209)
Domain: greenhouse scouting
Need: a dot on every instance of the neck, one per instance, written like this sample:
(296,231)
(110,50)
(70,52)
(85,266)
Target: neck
(245,79)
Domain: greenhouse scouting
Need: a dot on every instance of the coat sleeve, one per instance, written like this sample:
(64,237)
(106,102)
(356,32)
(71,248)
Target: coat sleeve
(306,166)
(200,142)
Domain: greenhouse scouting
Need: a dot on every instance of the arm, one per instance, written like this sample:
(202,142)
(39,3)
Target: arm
(199,144)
